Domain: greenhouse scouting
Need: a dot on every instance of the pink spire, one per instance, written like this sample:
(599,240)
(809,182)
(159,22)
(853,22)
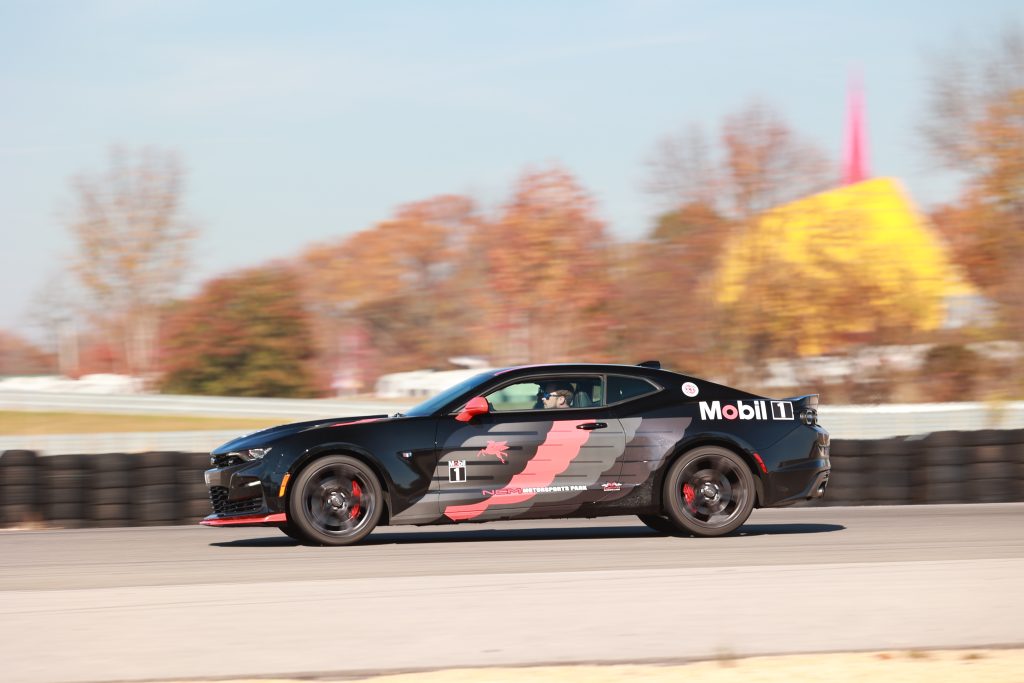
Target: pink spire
(855,162)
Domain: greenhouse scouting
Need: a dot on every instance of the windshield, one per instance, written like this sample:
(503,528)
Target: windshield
(432,405)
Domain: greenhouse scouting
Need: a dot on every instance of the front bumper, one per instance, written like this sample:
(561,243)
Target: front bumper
(242,493)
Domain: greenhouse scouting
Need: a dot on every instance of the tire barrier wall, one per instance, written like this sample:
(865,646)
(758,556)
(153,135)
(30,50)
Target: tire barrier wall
(161,488)
(107,490)
(985,466)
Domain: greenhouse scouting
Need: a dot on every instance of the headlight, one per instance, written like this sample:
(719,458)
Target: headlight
(257,453)
(809,416)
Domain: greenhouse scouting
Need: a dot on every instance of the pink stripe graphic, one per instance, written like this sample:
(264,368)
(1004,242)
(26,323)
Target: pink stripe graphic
(560,447)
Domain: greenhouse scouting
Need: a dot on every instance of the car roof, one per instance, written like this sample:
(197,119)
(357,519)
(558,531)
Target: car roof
(613,368)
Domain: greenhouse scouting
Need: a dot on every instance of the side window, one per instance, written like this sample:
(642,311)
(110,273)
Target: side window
(542,393)
(519,396)
(622,388)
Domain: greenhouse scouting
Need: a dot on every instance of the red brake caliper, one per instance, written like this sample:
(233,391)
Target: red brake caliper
(357,494)
(689,494)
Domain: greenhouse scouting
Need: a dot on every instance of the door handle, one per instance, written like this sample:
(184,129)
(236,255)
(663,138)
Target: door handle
(592,425)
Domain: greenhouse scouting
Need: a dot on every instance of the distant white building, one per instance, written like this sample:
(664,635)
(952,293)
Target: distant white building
(424,383)
(86,384)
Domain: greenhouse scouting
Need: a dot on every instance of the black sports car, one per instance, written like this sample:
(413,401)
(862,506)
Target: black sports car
(683,454)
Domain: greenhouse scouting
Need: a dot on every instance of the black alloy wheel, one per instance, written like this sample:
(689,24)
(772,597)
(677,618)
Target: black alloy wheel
(336,500)
(709,491)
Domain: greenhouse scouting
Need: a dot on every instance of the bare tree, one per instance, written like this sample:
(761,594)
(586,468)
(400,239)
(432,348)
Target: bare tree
(963,86)
(131,245)
(54,310)
(683,169)
(760,163)
(767,164)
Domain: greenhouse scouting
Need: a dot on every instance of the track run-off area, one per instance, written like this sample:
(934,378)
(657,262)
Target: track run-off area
(193,602)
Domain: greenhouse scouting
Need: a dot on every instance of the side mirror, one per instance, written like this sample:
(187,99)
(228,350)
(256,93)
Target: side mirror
(476,406)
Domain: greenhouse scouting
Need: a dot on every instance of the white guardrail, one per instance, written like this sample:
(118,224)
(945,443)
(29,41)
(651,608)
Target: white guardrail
(842,422)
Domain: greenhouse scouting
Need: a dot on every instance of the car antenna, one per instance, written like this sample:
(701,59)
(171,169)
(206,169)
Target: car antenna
(656,364)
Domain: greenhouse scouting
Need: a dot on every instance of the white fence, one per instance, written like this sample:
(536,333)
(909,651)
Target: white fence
(905,419)
(842,422)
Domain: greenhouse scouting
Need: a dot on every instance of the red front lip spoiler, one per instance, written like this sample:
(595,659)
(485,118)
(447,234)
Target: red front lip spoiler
(276,518)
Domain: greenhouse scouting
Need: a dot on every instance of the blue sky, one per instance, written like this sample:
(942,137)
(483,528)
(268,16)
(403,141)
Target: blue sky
(304,121)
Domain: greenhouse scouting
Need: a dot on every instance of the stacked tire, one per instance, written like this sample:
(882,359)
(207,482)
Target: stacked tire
(111,482)
(944,467)
(1016,451)
(993,468)
(892,465)
(850,475)
(155,500)
(64,490)
(195,496)
(19,488)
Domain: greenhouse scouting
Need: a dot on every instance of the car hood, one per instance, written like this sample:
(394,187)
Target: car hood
(266,437)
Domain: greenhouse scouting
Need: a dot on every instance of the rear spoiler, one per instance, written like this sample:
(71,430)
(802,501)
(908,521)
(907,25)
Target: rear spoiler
(805,401)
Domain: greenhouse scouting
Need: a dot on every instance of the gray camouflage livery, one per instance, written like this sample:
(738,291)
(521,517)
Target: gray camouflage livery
(683,454)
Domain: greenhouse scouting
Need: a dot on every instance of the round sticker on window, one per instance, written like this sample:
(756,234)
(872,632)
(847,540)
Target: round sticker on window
(690,389)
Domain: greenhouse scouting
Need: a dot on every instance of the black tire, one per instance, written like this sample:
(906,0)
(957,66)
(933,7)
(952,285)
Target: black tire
(18,475)
(336,500)
(709,491)
(19,495)
(289,530)
(156,476)
(660,524)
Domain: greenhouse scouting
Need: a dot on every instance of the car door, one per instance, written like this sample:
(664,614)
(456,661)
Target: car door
(520,461)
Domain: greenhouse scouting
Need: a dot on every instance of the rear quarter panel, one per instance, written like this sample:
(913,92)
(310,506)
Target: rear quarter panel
(661,427)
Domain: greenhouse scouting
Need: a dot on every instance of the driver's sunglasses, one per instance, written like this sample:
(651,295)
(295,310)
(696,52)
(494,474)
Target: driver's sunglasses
(545,394)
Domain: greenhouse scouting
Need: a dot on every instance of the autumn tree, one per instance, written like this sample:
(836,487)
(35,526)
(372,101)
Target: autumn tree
(975,127)
(19,356)
(547,264)
(717,190)
(664,290)
(834,271)
(131,241)
(384,296)
(691,221)
(246,334)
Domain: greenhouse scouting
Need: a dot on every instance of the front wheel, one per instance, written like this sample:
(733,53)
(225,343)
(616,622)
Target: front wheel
(660,524)
(709,491)
(337,500)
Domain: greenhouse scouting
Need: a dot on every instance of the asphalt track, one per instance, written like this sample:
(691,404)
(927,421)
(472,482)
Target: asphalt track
(184,602)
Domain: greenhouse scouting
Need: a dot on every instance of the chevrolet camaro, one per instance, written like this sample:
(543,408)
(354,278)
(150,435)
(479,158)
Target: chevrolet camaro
(683,454)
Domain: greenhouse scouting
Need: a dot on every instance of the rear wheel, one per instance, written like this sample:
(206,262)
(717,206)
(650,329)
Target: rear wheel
(337,500)
(709,491)
(288,529)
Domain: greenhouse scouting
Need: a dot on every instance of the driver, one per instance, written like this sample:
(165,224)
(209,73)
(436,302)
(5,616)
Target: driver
(560,398)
